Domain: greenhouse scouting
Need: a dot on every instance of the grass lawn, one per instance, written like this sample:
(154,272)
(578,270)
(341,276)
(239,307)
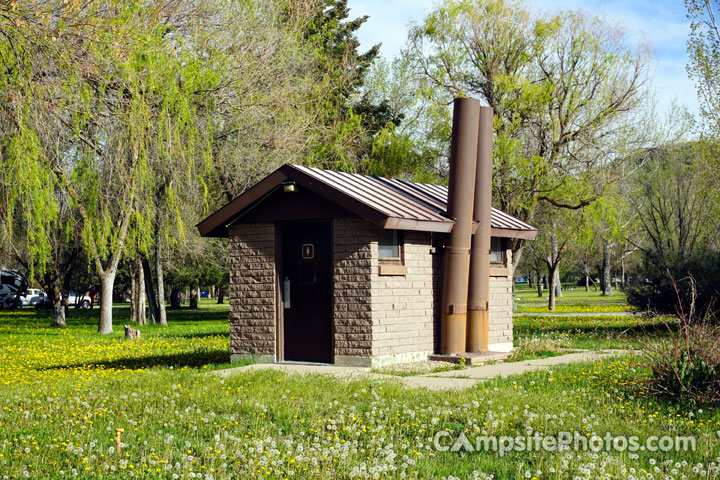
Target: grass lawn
(63,393)
(576,309)
(202,302)
(543,335)
(578,300)
(592,333)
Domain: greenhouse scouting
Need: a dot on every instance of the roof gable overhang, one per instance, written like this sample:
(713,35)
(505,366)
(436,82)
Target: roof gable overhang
(217,223)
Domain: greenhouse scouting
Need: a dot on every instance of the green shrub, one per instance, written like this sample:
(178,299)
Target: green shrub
(661,294)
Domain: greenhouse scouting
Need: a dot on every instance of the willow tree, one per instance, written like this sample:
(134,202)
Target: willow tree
(36,219)
(124,85)
(565,89)
(154,153)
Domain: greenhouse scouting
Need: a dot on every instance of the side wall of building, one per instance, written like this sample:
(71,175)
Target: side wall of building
(352,284)
(403,303)
(500,338)
(252,291)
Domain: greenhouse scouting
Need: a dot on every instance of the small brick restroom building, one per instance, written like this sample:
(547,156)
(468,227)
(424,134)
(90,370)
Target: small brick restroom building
(343,268)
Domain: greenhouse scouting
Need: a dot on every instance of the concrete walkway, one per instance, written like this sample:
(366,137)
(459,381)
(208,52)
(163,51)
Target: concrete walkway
(449,380)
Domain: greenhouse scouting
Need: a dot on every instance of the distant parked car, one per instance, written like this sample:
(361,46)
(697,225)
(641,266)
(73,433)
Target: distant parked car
(79,301)
(44,303)
(32,296)
(74,300)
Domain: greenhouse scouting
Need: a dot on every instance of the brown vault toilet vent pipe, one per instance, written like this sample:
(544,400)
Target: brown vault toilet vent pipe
(461,186)
(479,288)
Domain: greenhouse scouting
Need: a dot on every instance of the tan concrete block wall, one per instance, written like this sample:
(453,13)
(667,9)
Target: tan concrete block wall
(501,308)
(403,306)
(373,315)
(252,289)
(352,264)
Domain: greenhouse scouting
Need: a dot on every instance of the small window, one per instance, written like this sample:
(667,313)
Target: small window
(390,245)
(496,250)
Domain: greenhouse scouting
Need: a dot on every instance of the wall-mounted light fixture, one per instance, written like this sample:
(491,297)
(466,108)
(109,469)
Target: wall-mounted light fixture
(290,187)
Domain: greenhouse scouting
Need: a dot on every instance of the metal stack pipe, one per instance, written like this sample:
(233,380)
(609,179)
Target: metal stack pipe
(479,288)
(461,187)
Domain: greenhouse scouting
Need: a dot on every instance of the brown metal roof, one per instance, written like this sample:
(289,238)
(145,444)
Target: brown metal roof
(386,202)
(436,195)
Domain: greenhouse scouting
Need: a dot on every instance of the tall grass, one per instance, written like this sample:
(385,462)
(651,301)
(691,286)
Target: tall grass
(686,364)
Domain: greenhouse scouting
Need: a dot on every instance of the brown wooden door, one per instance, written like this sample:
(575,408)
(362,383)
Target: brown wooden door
(307,291)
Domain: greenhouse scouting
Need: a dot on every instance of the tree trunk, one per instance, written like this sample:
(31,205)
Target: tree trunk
(606,274)
(142,318)
(622,277)
(194,294)
(160,286)
(555,262)
(539,284)
(107,282)
(221,295)
(59,308)
(136,294)
(587,282)
(517,252)
(59,316)
(551,287)
(65,300)
(558,283)
(133,295)
(150,291)
(54,296)
(175,298)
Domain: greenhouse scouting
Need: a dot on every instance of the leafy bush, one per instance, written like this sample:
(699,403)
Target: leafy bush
(677,204)
(660,293)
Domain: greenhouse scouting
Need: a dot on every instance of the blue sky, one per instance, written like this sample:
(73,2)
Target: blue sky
(661,23)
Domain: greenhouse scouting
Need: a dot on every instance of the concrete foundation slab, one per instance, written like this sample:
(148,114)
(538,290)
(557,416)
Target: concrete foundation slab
(471,358)
(449,380)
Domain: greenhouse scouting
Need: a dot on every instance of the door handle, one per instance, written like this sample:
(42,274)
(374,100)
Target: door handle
(286,292)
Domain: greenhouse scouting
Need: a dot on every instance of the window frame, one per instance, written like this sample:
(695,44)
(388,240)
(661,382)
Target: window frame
(399,260)
(503,256)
